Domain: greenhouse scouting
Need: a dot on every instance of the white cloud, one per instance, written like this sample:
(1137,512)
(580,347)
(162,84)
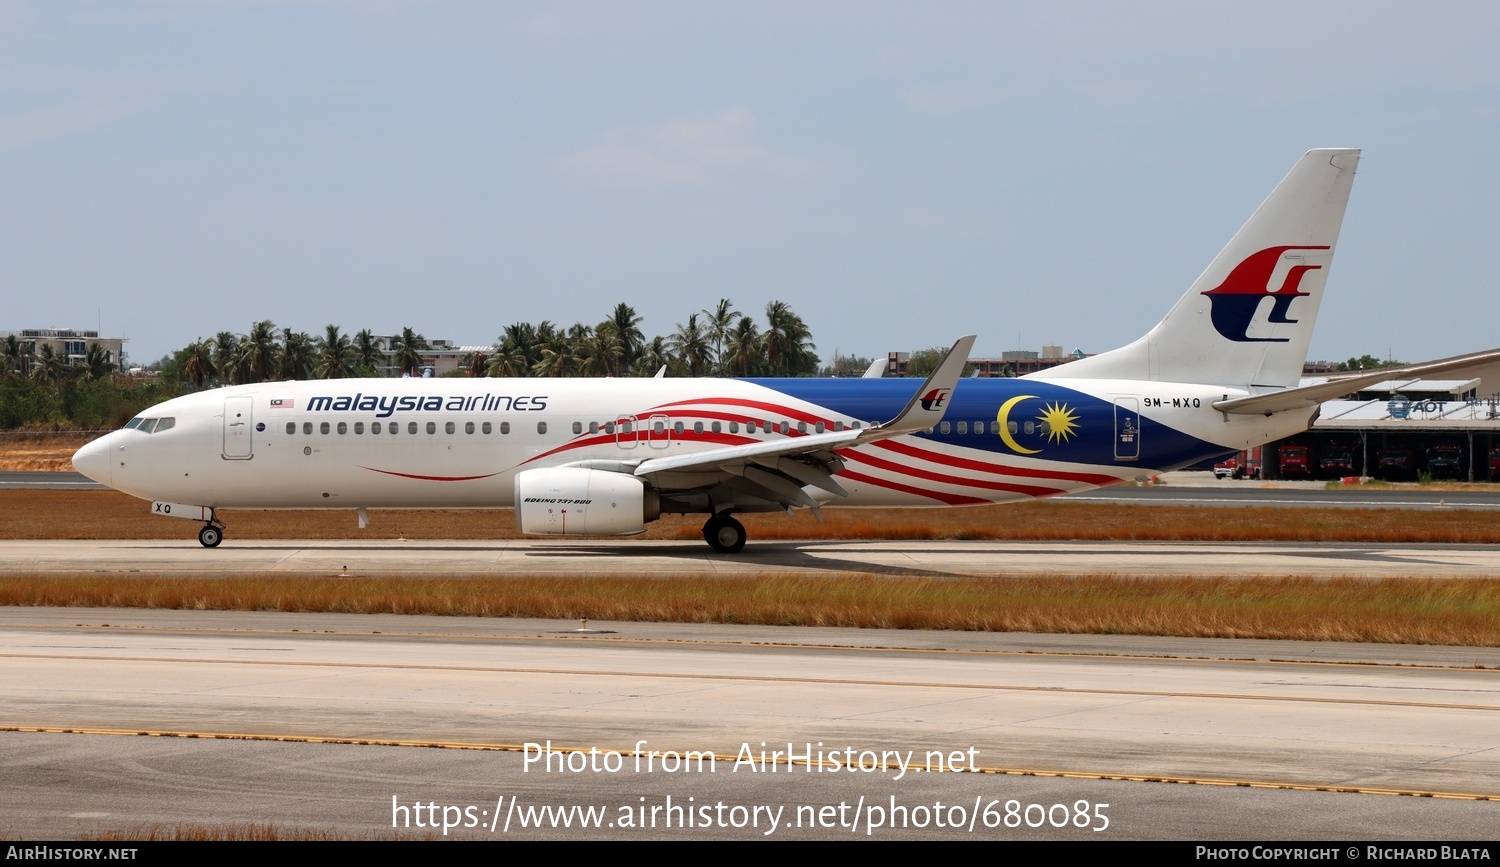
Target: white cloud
(684,151)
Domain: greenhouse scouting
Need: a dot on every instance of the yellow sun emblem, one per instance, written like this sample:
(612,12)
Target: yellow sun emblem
(1060,422)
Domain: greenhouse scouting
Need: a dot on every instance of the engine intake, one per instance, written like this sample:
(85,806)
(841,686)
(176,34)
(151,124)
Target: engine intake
(573,501)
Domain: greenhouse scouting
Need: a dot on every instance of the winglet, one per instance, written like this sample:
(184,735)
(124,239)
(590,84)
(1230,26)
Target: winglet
(928,406)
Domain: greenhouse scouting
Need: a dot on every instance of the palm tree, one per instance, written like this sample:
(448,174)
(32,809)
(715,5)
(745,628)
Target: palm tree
(690,345)
(198,364)
(745,350)
(654,356)
(720,320)
(507,358)
(628,332)
(296,356)
(367,352)
(555,358)
(14,353)
(226,356)
(477,363)
(257,353)
(98,362)
(788,343)
(49,367)
(408,355)
(336,355)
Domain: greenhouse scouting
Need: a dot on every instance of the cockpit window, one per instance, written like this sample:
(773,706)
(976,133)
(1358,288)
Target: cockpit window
(151,425)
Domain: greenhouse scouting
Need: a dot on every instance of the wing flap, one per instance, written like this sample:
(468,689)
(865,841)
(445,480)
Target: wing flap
(925,409)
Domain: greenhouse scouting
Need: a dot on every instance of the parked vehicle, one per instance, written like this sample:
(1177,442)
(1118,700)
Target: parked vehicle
(1294,461)
(1446,461)
(1397,464)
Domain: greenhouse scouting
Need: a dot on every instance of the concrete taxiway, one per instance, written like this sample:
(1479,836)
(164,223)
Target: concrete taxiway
(1312,740)
(637,557)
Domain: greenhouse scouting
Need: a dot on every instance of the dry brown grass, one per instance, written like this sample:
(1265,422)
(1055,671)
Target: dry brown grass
(217,833)
(1449,612)
(40,452)
(112,515)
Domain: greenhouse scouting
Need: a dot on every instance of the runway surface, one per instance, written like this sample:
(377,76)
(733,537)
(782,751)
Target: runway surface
(1178,488)
(635,557)
(1301,737)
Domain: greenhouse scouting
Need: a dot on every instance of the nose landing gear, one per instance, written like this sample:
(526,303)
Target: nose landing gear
(211,534)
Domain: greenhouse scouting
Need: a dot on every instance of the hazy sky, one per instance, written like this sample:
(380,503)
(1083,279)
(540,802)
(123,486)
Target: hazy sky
(900,173)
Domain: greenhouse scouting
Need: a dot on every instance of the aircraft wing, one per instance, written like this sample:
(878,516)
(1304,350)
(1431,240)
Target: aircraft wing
(1311,395)
(777,470)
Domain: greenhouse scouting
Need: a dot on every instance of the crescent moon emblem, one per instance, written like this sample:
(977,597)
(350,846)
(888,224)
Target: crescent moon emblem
(1002,418)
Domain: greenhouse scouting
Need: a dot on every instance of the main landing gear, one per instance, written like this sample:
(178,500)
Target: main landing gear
(211,534)
(724,534)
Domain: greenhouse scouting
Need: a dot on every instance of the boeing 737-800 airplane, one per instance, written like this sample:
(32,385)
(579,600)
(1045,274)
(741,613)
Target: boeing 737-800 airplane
(606,456)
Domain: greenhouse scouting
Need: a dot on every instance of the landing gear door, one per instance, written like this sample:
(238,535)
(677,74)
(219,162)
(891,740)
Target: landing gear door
(237,429)
(1127,429)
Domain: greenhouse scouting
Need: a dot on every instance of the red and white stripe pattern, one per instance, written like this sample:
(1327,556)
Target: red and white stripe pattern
(901,471)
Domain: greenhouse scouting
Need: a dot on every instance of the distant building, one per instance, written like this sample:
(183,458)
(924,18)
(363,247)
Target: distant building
(1012,362)
(70,343)
(440,356)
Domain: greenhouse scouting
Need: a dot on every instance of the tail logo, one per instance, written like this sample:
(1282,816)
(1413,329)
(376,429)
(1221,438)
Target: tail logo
(934,399)
(1236,300)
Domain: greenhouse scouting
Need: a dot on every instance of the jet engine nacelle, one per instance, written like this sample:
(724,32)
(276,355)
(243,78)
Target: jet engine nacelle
(573,501)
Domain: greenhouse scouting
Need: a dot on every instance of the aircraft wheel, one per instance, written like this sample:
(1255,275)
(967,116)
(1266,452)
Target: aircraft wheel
(210,536)
(725,535)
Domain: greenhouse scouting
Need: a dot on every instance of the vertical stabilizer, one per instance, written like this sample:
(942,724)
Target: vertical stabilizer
(1247,320)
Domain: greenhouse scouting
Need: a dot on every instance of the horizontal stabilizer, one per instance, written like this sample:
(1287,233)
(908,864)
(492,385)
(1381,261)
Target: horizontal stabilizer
(1311,395)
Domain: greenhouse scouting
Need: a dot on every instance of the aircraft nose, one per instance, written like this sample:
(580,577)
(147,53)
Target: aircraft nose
(93,460)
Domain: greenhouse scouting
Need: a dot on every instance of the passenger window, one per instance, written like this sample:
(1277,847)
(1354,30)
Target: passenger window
(431,428)
(963,427)
(697,427)
(717,428)
(374,427)
(577,427)
(468,427)
(593,427)
(411,427)
(541,427)
(819,427)
(785,428)
(609,427)
(450,428)
(323,428)
(734,427)
(343,428)
(945,427)
(359,427)
(995,426)
(291,427)
(485,428)
(307,427)
(504,427)
(677,427)
(801,427)
(1011,426)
